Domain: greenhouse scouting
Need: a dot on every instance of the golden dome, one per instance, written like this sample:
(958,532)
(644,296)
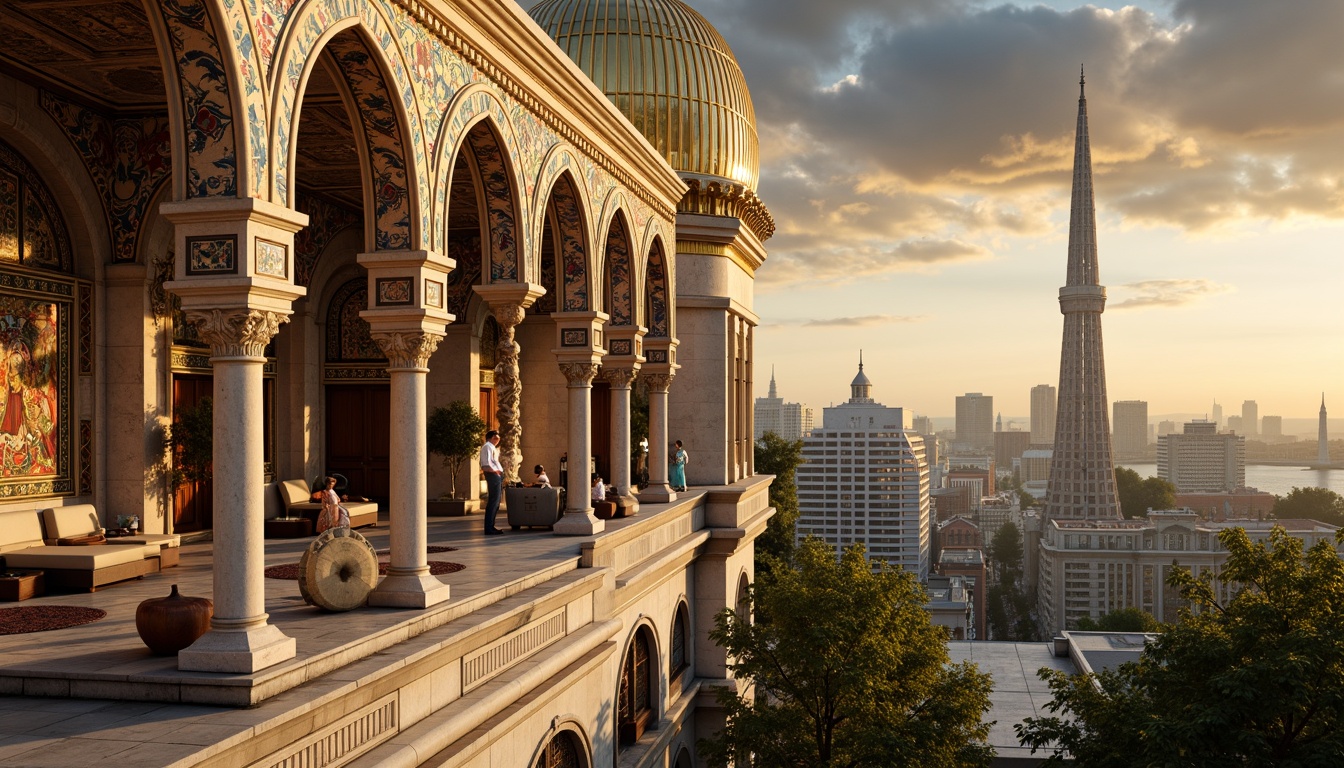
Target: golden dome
(671,74)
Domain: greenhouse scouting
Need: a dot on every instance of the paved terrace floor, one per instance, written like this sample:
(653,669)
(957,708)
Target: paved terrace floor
(93,694)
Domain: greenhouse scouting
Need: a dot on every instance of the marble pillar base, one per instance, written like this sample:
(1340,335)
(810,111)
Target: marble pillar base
(409,590)
(238,651)
(579,523)
(658,494)
(630,504)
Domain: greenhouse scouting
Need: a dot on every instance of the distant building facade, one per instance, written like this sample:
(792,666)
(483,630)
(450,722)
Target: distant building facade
(1131,427)
(1093,567)
(1271,427)
(1250,418)
(975,421)
(1165,427)
(1009,447)
(968,564)
(1044,401)
(865,478)
(791,421)
(1202,460)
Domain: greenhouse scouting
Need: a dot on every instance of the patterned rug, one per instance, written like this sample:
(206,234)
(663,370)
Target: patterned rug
(43,618)
(291,570)
(432,550)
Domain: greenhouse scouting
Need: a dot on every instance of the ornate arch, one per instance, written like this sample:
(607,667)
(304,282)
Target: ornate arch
(562,162)
(385,79)
(570,233)
(638,695)
(477,122)
(565,744)
(657,289)
(617,266)
(32,228)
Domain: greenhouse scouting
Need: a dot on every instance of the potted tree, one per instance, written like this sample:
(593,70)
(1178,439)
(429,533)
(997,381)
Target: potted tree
(191,439)
(455,432)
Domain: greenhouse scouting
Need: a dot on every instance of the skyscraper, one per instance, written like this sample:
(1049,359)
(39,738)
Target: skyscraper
(791,421)
(1250,418)
(1322,439)
(1200,460)
(1082,474)
(1131,427)
(1217,413)
(1043,403)
(975,421)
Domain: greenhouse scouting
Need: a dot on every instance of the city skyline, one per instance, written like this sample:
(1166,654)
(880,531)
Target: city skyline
(916,156)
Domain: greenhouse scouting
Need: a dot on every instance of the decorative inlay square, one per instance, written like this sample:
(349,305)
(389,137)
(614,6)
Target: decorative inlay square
(394,291)
(479,666)
(621,347)
(574,337)
(657,356)
(272,259)
(215,255)
(434,294)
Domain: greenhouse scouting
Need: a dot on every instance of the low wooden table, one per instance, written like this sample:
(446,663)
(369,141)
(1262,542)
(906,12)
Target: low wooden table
(21,585)
(288,528)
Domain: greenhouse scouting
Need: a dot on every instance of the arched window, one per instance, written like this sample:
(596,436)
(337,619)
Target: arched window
(634,705)
(743,606)
(678,653)
(560,752)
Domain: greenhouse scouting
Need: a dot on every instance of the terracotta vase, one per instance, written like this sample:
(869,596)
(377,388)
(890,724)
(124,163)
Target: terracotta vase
(169,624)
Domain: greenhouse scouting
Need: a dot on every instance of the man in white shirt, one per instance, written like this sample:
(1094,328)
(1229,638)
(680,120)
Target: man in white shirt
(494,480)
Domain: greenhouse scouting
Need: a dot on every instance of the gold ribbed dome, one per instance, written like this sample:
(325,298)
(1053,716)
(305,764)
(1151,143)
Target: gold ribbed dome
(673,76)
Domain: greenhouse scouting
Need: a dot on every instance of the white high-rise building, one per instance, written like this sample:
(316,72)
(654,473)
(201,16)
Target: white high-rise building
(1202,460)
(865,478)
(791,421)
(1044,401)
(1131,427)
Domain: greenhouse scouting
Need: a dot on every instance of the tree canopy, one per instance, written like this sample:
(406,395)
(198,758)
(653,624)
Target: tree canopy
(1138,495)
(1321,504)
(849,671)
(779,457)
(1254,681)
(1122,620)
(1009,604)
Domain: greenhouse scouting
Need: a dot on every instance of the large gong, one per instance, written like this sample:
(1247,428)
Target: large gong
(338,570)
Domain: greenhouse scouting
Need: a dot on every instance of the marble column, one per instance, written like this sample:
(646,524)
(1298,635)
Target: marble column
(240,640)
(509,389)
(620,380)
(408,583)
(658,491)
(579,519)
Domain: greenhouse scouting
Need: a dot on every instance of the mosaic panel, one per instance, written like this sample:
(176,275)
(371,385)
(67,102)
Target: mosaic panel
(620,305)
(395,291)
(272,259)
(497,181)
(657,356)
(127,158)
(215,255)
(465,248)
(434,294)
(325,222)
(573,250)
(499,204)
(35,393)
(32,231)
(348,336)
(655,291)
(574,337)
(212,169)
(546,303)
(622,347)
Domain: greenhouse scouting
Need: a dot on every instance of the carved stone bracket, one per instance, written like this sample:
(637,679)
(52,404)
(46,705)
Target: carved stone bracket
(236,332)
(658,382)
(407,349)
(579,373)
(619,378)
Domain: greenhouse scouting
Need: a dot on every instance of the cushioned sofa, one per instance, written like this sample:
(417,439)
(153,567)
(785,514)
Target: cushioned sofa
(298,503)
(70,568)
(82,520)
(532,506)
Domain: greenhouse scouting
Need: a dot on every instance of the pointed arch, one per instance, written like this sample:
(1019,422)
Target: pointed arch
(658,280)
(561,194)
(618,272)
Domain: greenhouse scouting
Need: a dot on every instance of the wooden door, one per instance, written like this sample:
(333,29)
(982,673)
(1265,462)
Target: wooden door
(358,437)
(486,409)
(601,420)
(193,502)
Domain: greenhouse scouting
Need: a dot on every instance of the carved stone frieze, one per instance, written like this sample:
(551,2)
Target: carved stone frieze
(579,373)
(236,332)
(406,349)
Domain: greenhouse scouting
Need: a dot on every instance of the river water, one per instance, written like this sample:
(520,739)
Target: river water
(1274,479)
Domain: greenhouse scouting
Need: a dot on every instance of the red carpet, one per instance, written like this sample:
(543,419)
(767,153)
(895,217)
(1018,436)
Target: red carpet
(42,618)
(291,571)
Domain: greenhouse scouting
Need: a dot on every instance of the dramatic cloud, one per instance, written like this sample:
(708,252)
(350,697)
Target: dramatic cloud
(842,262)
(1150,294)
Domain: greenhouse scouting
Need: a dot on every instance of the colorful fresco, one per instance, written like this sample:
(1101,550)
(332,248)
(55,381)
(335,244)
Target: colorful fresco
(499,203)
(546,303)
(465,248)
(32,231)
(127,158)
(618,272)
(572,246)
(325,222)
(655,285)
(212,167)
(496,173)
(34,390)
(272,259)
(251,75)
(348,338)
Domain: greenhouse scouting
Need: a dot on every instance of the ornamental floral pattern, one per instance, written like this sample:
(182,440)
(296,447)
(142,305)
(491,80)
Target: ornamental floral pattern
(348,336)
(32,231)
(325,222)
(36,381)
(212,151)
(618,273)
(655,311)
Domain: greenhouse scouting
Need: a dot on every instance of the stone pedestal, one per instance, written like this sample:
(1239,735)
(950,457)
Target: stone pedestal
(233,274)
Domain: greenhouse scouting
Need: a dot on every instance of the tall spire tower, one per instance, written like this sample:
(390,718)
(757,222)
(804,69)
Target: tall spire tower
(1082,474)
(1322,438)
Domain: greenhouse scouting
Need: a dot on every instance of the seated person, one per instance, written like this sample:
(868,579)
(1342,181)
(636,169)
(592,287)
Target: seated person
(599,490)
(541,480)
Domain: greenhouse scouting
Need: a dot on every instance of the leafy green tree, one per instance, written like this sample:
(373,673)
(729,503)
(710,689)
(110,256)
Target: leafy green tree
(1005,549)
(848,672)
(1321,504)
(1255,681)
(779,457)
(1009,606)
(455,432)
(1122,620)
(1138,495)
(1025,499)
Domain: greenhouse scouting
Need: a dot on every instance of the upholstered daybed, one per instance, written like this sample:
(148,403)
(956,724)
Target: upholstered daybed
(299,503)
(79,520)
(70,568)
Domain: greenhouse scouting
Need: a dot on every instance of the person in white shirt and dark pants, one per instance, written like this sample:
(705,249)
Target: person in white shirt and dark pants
(494,480)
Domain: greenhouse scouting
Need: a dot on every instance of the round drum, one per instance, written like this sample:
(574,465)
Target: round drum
(338,570)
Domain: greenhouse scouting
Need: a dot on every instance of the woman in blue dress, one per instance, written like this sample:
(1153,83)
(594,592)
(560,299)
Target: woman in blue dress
(676,468)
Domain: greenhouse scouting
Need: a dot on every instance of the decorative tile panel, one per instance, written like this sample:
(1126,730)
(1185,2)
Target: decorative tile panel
(655,287)
(85,457)
(574,337)
(272,259)
(620,305)
(348,337)
(213,255)
(207,102)
(657,356)
(325,222)
(32,231)
(85,329)
(621,347)
(433,294)
(394,291)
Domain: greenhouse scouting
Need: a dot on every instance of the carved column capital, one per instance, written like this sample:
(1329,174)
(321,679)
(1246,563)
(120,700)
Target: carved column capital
(237,332)
(406,349)
(508,315)
(658,382)
(579,373)
(619,378)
